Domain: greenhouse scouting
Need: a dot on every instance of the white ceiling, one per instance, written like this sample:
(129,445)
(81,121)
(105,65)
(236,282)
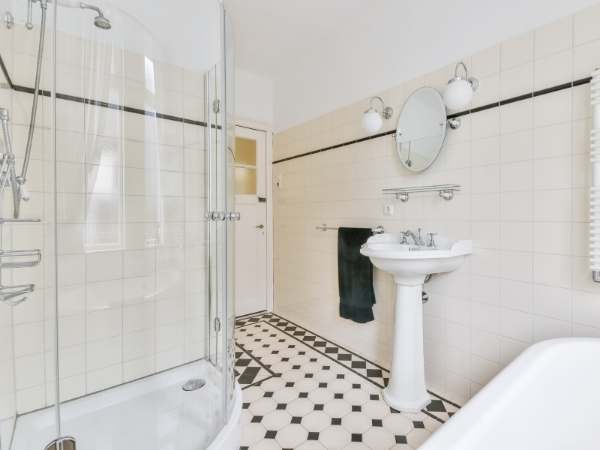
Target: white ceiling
(322,54)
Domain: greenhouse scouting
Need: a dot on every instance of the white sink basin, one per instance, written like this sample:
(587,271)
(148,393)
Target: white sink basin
(410,264)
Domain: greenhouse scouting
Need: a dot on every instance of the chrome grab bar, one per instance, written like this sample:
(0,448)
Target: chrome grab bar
(36,253)
(9,294)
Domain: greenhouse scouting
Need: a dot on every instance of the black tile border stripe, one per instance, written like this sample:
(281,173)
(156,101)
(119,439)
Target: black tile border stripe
(103,104)
(246,316)
(251,356)
(497,104)
(5,72)
(366,378)
(263,317)
(256,360)
(357,355)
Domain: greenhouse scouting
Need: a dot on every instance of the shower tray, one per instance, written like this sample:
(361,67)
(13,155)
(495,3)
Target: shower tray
(148,414)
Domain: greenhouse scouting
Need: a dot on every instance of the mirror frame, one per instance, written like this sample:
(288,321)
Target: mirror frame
(444,130)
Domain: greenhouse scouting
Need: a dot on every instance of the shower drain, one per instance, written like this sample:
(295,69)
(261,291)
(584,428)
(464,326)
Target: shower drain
(193,384)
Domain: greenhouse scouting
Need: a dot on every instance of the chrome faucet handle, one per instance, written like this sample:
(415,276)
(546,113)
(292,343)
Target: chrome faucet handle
(431,242)
(404,235)
(419,237)
(378,230)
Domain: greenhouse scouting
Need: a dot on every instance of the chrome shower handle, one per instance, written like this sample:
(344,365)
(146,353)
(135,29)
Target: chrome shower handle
(29,23)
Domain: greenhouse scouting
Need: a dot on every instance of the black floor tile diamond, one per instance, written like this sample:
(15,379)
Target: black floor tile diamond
(270,434)
(436,406)
(356,437)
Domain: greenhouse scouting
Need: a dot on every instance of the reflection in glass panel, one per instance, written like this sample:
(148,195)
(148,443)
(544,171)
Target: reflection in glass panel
(245,181)
(245,151)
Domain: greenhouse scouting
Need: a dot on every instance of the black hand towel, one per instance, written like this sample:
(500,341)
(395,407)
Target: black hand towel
(355,275)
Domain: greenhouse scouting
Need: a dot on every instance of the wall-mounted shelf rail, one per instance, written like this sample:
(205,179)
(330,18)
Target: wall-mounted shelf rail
(9,294)
(7,220)
(446,191)
(376,230)
(16,259)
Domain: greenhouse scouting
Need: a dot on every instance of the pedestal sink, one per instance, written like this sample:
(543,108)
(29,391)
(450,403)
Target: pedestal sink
(410,265)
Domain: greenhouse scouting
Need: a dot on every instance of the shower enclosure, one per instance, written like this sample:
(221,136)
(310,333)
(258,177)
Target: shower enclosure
(116,226)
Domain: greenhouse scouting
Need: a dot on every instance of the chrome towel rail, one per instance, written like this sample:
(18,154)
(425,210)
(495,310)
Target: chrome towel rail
(376,230)
(19,256)
(446,191)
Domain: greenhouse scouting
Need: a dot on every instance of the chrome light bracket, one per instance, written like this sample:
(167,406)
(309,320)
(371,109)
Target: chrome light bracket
(454,123)
(386,111)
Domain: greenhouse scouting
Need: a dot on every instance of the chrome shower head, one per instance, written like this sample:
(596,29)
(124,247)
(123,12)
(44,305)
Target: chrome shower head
(100,20)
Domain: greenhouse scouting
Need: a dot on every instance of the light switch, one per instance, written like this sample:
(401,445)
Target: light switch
(278,181)
(388,210)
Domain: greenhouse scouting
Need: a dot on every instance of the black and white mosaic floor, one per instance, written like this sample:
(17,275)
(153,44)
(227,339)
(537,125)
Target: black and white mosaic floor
(302,391)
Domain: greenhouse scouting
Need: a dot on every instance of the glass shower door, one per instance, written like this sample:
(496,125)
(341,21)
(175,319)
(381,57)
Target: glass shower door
(130,176)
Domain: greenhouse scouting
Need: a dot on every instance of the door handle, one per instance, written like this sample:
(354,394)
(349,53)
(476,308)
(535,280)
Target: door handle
(260,227)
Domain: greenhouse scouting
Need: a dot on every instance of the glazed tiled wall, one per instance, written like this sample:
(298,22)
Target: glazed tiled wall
(130,228)
(524,171)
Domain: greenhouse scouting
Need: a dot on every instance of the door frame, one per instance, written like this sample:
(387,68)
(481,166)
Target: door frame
(267,129)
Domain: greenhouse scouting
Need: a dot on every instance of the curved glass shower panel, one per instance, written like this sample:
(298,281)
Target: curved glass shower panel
(134,324)
(26,302)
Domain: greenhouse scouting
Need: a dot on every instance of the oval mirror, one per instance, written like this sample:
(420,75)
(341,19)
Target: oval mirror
(421,129)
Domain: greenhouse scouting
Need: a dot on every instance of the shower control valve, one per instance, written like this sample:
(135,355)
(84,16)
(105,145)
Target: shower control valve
(216,216)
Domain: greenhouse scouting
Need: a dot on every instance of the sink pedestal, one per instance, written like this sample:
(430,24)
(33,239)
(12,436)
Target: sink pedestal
(410,264)
(406,389)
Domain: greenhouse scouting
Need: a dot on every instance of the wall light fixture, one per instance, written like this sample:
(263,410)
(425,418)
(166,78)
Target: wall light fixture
(373,119)
(460,89)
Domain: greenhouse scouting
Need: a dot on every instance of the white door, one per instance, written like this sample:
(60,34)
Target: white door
(251,230)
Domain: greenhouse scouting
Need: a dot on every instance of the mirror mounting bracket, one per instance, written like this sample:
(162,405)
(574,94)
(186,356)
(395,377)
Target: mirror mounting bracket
(454,123)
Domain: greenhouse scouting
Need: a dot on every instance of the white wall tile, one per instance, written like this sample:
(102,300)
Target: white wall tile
(553,70)
(516,81)
(552,108)
(554,37)
(553,302)
(516,325)
(516,51)
(584,26)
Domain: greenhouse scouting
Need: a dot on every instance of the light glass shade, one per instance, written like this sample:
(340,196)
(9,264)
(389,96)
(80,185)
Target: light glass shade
(458,94)
(372,121)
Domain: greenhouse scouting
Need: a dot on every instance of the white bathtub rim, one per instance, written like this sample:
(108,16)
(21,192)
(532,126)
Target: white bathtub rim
(495,394)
